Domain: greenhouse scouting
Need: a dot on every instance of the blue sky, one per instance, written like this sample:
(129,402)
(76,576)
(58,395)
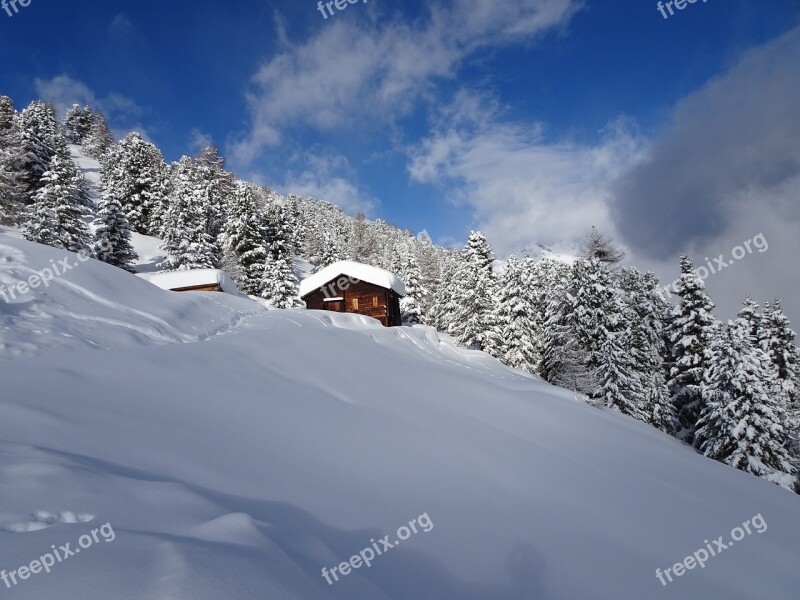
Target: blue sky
(530,119)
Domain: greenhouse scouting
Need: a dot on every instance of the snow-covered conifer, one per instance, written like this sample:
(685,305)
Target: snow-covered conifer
(475,322)
(741,424)
(690,333)
(135,175)
(187,239)
(99,139)
(245,238)
(112,236)
(12,173)
(77,124)
(57,216)
(515,315)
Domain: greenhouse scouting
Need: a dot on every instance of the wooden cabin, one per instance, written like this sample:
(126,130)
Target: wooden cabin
(193,280)
(352,287)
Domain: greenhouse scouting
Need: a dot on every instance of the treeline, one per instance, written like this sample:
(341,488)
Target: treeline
(588,325)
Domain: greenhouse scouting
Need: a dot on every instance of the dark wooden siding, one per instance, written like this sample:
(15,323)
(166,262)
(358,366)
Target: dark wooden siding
(212,287)
(361,298)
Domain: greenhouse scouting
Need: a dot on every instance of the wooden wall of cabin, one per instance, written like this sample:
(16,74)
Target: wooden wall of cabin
(362,298)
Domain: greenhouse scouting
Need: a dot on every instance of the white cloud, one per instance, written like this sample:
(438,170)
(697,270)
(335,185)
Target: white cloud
(330,177)
(199,140)
(521,187)
(122,113)
(352,72)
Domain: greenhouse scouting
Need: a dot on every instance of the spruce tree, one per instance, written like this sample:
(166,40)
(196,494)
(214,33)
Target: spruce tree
(648,316)
(778,340)
(279,281)
(411,303)
(57,216)
(245,238)
(112,236)
(38,132)
(99,139)
(443,310)
(515,316)
(475,324)
(616,377)
(740,423)
(77,124)
(549,282)
(329,252)
(690,333)
(12,173)
(135,175)
(218,185)
(187,240)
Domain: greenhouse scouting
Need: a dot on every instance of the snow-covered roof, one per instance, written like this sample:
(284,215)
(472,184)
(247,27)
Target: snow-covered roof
(353,270)
(175,280)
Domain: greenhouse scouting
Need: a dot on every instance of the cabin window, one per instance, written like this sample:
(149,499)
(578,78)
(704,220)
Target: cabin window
(355,303)
(374,301)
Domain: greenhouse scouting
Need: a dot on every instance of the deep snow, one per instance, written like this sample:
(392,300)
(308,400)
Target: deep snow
(237,451)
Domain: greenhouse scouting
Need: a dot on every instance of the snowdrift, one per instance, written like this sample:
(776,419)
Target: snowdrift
(236,452)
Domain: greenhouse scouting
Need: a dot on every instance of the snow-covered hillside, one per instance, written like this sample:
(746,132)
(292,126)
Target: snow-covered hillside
(236,452)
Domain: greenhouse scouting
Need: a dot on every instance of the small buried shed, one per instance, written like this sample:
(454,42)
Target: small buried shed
(193,280)
(352,287)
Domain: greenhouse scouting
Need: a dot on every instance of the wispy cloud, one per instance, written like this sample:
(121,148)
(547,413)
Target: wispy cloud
(328,176)
(357,71)
(521,187)
(123,113)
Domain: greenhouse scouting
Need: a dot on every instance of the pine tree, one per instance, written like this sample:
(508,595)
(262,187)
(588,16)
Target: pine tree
(616,377)
(475,324)
(99,139)
(363,245)
(112,237)
(648,317)
(12,173)
(690,333)
(187,240)
(549,281)
(778,340)
(77,124)
(444,307)
(38,132)
(56,217)
(218,187)
(245,238)
(750,313)
(740,424)
(330,252)
(411,303)
(515,318)
(279,284)
(135,175)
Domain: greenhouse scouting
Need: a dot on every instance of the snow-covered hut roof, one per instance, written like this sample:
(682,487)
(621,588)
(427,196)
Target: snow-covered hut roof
(178,280)
(353,270)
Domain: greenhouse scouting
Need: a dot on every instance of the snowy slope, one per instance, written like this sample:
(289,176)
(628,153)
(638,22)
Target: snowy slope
(239,451)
